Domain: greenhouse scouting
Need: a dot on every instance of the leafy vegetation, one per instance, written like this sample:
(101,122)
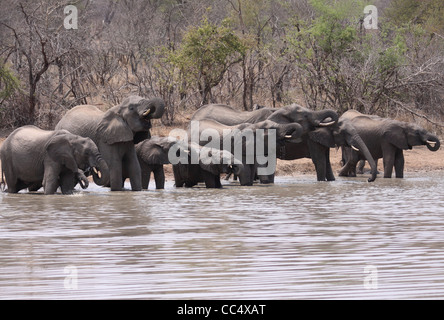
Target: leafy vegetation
(243,52)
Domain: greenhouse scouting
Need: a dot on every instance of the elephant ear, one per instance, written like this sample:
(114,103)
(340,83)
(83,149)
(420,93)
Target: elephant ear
(395,135)
(322,136)
(112,129)
(60,150)
(157,155)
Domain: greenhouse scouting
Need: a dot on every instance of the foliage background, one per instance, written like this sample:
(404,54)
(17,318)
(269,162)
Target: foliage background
(239,52)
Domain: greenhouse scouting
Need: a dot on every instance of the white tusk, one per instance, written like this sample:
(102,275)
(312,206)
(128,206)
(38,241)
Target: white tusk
(288,136)
(147,112)
(326,124)
(354,148)
(97,172)
(431,143)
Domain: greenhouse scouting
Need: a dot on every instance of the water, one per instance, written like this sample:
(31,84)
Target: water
(296,239)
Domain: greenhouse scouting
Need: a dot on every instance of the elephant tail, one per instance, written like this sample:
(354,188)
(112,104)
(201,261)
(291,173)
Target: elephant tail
(2,182)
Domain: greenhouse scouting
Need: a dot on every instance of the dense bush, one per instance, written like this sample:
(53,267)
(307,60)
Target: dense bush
(240,52)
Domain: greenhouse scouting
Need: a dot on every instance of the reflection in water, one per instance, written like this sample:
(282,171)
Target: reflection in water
(295,239)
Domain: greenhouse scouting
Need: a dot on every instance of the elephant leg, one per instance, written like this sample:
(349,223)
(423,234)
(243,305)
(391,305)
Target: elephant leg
(67,182)
(159,177)
(146,174)
(361,166)
(12,184)
(320,167)
(211,180)
(389,162)
(329,171)
(178,181)
(116,175)
(399,163)
(16,186)
(318,157)
(50,181)
(134,171)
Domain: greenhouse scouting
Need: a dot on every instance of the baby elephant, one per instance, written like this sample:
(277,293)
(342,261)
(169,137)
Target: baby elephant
(153,155)
(33,158)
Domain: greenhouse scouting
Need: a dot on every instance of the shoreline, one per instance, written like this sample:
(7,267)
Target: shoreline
(419,159)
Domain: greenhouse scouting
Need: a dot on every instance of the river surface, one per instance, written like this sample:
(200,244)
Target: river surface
(296,239)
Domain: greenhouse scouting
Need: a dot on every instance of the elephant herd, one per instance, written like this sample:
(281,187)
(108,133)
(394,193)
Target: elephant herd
(115,145)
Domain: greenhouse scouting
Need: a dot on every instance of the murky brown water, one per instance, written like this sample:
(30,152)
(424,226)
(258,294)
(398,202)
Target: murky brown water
(297,239)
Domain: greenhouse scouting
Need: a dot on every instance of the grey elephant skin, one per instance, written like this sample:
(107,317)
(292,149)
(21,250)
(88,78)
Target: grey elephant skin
(115,132)
(386,138)
(314,145)
(317,145)
(32,158)
(153,155)
(230,135)
(188,174)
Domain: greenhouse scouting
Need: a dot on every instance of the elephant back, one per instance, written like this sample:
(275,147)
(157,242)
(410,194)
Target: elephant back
(82,120)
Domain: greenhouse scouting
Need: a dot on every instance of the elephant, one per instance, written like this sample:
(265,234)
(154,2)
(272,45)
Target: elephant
(228,115)
(317,143)
(242,141)
(386,138)
(115,132)
(188,173)
(324,121)
(153,155)
(32,158)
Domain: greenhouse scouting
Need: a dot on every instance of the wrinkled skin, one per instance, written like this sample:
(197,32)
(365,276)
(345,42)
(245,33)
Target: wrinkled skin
(115,132)
(33,158)
(153,155)
(317,145)
(189,174)
(227,115)
(324,120)
(386,139)
(290,132)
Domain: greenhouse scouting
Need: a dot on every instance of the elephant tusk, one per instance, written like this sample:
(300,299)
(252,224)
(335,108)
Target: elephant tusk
(288,136)
(326,124)
(146,113)
(83,184)
(97,172)
(354,148)
(431,143)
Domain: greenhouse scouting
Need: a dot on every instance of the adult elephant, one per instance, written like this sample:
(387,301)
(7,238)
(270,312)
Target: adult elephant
(316,145)
(199,167)
(310,120)
(115,132)
(250,146)
(32,158)
(386,139)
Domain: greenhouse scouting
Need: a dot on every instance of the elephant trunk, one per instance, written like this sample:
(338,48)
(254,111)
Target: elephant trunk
(100,172)
(155,109)
(433,143)
(324,118)
(362,147)
(290,132)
